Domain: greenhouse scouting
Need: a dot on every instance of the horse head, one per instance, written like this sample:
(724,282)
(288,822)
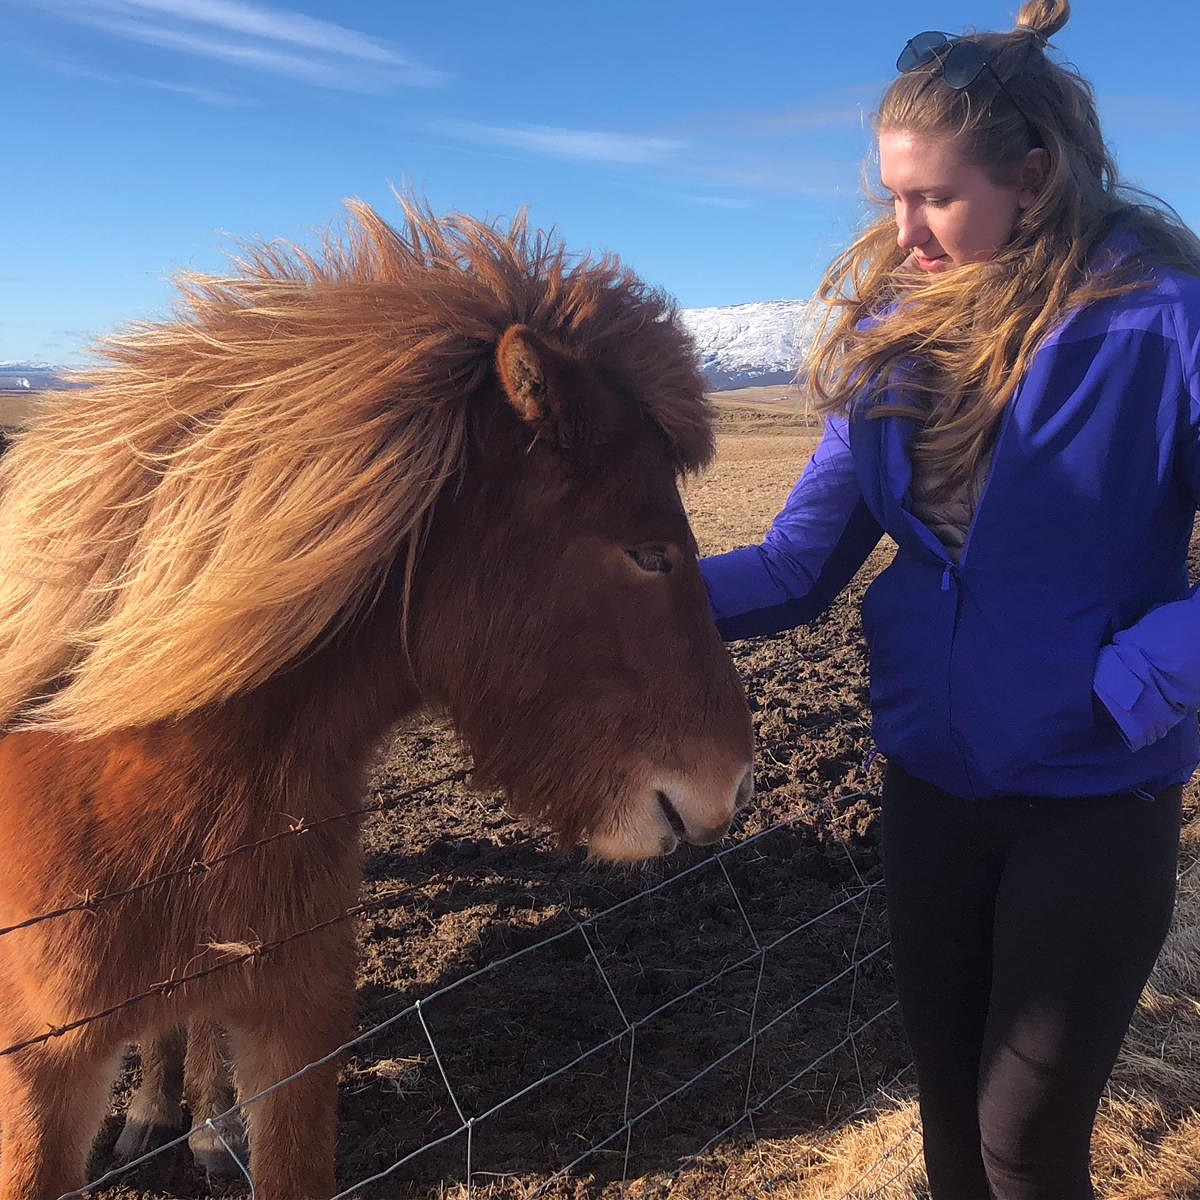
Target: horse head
(560,613)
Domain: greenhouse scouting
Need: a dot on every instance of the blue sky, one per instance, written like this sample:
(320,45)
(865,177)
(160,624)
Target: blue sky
(716,147)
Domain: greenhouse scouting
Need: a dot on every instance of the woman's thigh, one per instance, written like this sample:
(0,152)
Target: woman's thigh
(1081,913)
(942,872)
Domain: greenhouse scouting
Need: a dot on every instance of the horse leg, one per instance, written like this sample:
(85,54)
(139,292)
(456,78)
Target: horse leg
(51,1105)
(209,1090)
(304,1015)
(154,1115)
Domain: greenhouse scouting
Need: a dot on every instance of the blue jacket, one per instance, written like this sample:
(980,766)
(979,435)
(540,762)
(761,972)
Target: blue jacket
(1061,655)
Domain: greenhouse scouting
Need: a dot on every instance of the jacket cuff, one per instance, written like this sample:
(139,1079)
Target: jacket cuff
(738,582)
(1136,706)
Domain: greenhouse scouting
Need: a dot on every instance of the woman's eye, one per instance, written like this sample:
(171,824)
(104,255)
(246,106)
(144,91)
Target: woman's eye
(651,559)
(937,201)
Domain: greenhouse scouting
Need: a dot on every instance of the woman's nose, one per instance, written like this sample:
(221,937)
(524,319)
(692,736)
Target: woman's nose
(910,233)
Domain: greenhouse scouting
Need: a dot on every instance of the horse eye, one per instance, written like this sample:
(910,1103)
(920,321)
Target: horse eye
(652,559)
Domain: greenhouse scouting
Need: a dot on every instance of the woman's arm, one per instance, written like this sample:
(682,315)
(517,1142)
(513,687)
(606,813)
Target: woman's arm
(1148,677)
(814,547)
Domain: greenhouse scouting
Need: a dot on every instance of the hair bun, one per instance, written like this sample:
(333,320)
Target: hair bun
(1043,18)
(1042,40)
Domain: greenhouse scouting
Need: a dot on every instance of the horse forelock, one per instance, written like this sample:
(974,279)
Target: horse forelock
(232,487)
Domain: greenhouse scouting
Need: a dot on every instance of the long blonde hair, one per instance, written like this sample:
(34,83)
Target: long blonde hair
(973,330)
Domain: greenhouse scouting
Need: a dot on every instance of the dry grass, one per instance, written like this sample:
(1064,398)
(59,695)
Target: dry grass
(16,408)
(759,456)
(779,397)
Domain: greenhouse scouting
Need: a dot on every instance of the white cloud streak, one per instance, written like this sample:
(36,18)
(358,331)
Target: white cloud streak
(271,24)
(203,94)
(730,202)
(257,37)
(762,170)
(580,145)
(67,66)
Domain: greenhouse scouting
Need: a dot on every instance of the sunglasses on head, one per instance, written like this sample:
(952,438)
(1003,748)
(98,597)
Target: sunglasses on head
(961,61)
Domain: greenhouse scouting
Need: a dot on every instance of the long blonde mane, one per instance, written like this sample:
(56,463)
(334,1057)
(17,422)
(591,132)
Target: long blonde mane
(231,489)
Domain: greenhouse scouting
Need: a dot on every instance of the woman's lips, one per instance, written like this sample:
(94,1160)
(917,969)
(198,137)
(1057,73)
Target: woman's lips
(931,264)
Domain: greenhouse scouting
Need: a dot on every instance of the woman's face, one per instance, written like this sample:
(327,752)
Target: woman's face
(948,211)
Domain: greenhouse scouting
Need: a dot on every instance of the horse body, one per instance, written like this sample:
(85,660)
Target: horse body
(78,832)
(211,615)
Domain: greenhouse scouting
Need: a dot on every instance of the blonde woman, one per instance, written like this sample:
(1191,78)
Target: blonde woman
(1011,376)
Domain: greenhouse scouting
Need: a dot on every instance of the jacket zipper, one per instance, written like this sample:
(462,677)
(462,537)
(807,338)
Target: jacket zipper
(1004,423)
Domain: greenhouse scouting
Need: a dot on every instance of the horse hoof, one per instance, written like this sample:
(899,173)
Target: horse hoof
(140,1137)
(213,1157)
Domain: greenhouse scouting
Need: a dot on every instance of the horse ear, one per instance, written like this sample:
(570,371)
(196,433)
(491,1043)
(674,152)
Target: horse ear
(525,365)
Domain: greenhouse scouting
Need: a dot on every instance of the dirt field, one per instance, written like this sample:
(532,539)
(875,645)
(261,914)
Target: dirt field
(15,408)
(484,886)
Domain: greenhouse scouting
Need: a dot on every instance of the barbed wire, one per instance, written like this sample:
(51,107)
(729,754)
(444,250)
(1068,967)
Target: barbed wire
(90,903)
(254,952)
(578,927)
(262,950)
(630,1027)
(468,1123)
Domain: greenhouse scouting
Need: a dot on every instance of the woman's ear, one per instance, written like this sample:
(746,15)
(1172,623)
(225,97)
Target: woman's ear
(1032,176)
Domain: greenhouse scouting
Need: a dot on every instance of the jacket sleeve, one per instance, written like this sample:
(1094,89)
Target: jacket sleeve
(1148,677)
(814,547)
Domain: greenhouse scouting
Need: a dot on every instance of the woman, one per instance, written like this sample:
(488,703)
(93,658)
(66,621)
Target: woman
(1011,372)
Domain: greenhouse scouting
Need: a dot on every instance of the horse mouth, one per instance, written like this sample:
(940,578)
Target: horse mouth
(673,818)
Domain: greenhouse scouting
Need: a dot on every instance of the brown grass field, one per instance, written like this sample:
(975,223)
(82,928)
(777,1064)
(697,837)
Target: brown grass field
(15,408)
(833,1110)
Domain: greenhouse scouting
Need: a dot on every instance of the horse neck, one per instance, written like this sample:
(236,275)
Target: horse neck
(318,724)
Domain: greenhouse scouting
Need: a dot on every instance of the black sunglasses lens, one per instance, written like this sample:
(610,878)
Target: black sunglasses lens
(961,67)
(920,49)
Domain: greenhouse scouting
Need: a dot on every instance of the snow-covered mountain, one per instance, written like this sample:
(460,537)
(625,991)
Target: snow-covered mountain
(29,376)
(742,345)
(748,345)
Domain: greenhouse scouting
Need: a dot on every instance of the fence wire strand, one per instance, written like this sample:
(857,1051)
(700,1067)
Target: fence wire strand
(467,1124)
(91,903)
(629,1028)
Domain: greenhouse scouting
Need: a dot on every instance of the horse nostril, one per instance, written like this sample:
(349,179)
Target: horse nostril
(673,818)
(745,792)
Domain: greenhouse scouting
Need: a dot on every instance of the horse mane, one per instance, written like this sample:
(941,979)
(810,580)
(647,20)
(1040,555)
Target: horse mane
(230,489)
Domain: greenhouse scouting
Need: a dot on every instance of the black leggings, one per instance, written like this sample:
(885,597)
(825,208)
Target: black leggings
(1023,931)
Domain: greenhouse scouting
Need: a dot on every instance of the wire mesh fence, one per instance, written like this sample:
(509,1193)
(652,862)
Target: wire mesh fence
(700,1009)
(702,1012)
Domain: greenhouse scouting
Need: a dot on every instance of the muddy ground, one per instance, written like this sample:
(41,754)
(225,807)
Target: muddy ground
(478,887)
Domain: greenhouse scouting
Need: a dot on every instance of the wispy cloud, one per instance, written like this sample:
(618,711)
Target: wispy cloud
(581,145)
(768,174)
(812,117)
(1156,115)
(257,37)
(203,94)
(840,110)
(728,166)
(68,66)
(808,150)
(719,201)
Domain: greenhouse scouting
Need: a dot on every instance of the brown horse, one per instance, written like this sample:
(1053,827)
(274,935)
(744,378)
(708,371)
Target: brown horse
(435,466)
